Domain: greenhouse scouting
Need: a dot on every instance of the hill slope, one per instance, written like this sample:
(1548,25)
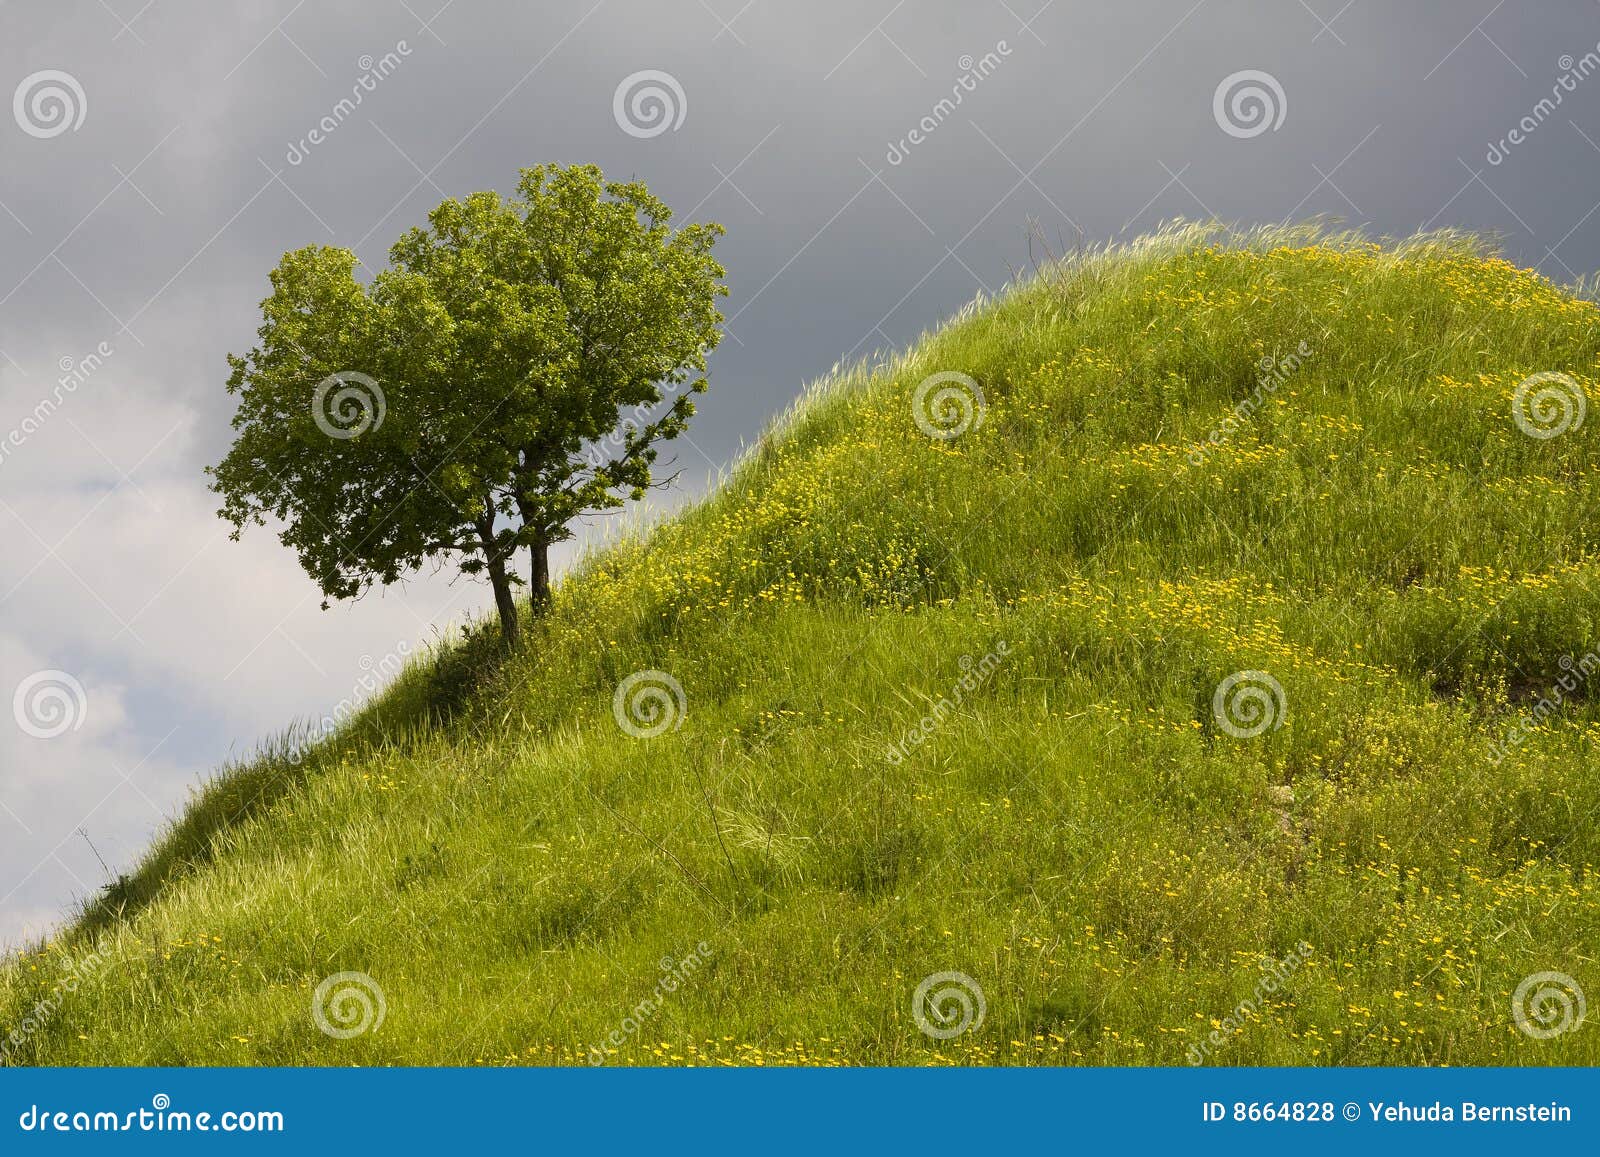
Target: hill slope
(1240,633)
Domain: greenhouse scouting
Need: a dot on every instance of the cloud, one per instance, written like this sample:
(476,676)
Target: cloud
(88,775)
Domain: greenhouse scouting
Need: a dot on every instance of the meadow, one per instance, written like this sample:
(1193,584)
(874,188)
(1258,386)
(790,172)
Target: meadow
(1184,656)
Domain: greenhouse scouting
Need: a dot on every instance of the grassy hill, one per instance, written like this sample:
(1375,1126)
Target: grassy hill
(1228,672)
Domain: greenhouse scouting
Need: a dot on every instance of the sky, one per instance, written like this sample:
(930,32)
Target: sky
(877,163)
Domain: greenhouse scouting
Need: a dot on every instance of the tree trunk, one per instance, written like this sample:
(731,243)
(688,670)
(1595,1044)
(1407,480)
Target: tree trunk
(495,564)
(539,564)
(510,629)
(539,585)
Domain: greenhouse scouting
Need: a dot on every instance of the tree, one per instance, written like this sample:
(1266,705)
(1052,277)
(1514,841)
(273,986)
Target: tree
(516,366)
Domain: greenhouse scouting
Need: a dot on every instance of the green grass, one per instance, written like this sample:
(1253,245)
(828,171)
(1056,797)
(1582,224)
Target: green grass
(1059,590)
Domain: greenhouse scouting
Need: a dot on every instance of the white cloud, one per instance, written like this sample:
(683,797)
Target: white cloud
(68,761)
(190,646)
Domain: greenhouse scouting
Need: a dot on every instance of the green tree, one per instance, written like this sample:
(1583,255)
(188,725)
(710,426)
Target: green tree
(515,366)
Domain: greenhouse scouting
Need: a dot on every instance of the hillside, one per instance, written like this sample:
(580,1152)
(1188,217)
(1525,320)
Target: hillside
(1241,632)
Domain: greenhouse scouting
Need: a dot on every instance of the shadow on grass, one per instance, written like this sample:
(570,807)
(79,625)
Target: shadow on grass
(425,698)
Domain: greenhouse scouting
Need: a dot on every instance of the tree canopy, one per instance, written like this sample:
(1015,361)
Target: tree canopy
(516,365)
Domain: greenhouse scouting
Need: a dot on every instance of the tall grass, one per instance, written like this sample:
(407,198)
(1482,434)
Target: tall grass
(950,705)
